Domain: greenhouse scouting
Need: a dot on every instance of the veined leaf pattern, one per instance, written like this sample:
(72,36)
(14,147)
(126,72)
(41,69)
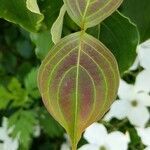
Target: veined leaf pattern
(78,81)
(88,13)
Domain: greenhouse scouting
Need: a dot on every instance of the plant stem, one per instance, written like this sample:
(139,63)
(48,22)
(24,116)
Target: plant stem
(74,147)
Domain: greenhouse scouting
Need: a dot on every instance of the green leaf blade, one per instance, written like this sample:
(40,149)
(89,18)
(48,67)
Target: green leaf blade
(138,12)
(78,81)
(17,12)
(121,36)
(88,13)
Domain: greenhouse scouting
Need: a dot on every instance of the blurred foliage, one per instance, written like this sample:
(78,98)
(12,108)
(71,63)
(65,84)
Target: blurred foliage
(20,100)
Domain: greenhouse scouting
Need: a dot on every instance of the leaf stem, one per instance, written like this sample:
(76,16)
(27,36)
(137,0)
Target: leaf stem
(74,147)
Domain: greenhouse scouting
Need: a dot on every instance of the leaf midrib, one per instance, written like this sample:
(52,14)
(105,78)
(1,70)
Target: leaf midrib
(84,14)
(77,88)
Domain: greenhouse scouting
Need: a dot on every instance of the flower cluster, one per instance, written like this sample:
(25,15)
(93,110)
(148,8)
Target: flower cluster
(132,106)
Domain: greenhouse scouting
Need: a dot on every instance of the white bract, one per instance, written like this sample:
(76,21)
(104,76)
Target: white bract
(37,131)
(143,58)
(144,55)
(7,142)
(133,101)
(66,145)
(99,139)
(144,133)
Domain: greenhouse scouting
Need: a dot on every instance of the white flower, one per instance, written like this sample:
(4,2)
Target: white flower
(143,58)
(134,100)
(144,55)
(7,142)
(37,131)
(144,133)
(66,145)
(99,139)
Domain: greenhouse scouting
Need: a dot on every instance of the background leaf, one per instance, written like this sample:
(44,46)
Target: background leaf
(19,95)
(49,125)
(17,12)
(43,42)
(23,123)
(43,39)
(33,6)
(121,36)
(118,33)
(50,9)
(88,13)
(139,12)
(56,29)
(5,97)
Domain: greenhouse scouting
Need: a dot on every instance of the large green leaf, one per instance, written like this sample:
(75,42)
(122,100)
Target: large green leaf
(50,9)
(88,13)
(43,39)
(139,12)
(78,81)
(43,42)
(121,36)
(16,11)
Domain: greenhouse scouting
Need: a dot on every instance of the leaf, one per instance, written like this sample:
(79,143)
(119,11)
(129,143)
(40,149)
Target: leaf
(88,13)
(17,12)
(121,36)
(50,9)
(56,29)
(138,11)
(43,42)
(5,97)
(135,139)
(31,83)
(23,123)
(24,48)
(33,6)
(14,93)
(19,95)
(78,81)
(49,125)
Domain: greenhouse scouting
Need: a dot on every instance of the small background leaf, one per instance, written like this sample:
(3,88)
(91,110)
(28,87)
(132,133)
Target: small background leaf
(43,43)
(56,29)
(31,83)
(33,6)
(5,97)
(23,123)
